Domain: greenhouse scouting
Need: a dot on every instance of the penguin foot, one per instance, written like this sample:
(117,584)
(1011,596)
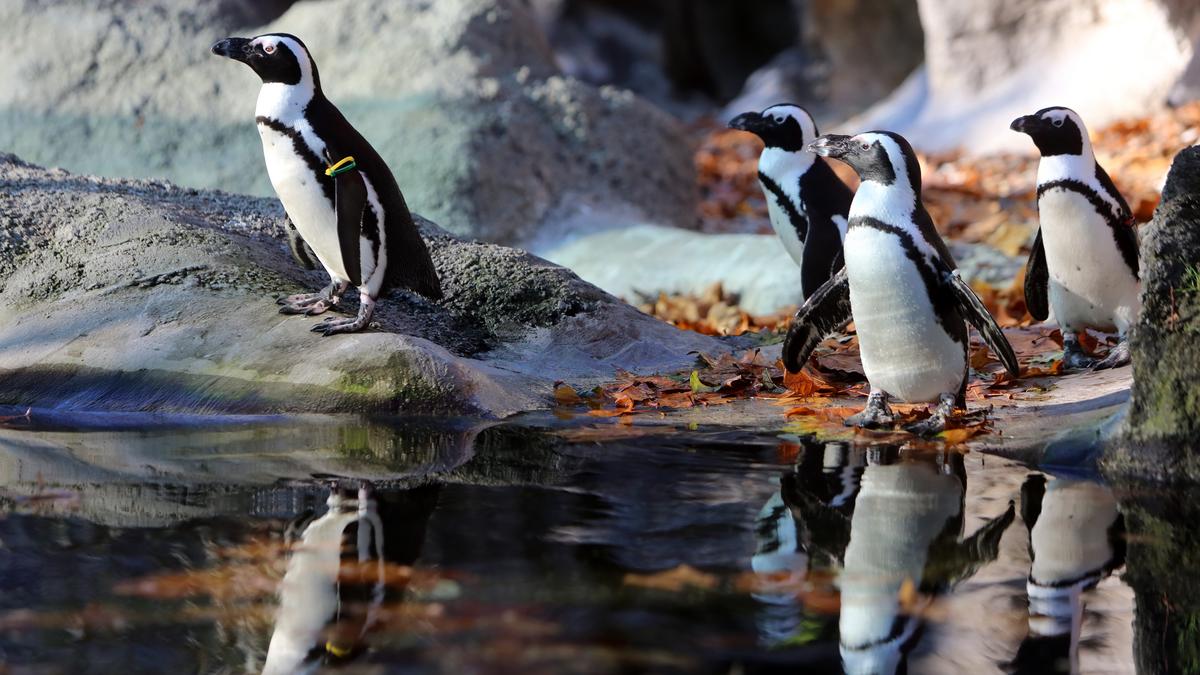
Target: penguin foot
(878,414)
(1074,358)
(312,304)
(332,326)
(936,423)
(1119,356)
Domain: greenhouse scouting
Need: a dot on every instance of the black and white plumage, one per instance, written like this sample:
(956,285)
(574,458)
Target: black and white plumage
(1084,263)
(807,202)
(356,224)
(900,286)
(1076,539)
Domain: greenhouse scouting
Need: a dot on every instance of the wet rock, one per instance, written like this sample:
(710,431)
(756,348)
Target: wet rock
(1164,420)
(142,296)
(463,98)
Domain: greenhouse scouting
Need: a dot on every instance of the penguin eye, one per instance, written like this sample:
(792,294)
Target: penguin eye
(1058,122)
(779,119)
(270,49)
(865,146)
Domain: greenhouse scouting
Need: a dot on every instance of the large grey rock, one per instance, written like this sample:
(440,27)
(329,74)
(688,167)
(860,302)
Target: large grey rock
(462,97)
(989,61)
(141,296)
(1164,419)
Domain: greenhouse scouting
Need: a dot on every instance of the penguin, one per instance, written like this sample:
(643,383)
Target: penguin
(901,287)
(807,202)
(1076,540)
(1084,263)
(338,193)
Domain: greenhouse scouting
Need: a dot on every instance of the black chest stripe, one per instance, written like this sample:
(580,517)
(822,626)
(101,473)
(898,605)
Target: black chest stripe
(798,220)
(1120,224)
(944,307)
(315,164)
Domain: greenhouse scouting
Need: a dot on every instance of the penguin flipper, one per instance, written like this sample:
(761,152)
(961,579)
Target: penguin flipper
(826,311)
(1037,279)
(298,247)
(978,315)
(817,263)
(350,198)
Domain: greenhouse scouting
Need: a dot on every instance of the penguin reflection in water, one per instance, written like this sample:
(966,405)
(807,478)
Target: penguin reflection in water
(337,575)
(900,287)
(890,521)
(339,194)
(807,202)
(1076,539)
(1084,263)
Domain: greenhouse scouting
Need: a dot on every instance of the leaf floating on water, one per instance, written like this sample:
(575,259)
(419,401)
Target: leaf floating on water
(674,580)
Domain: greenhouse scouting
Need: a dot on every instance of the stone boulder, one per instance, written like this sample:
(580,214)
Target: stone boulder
(1164,419)
(141,296)
(462,97)
(990,61)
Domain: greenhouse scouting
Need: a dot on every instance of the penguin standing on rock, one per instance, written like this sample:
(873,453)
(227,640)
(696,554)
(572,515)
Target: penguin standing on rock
(337,191)
(807,202)
(900,286)
(1084,263)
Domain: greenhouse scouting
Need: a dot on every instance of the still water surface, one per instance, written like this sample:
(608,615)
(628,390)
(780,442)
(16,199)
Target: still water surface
(304,546)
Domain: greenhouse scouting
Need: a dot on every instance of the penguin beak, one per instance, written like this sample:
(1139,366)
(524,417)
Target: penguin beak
(1024,124)
(831,145)
(235,48)
(751,121)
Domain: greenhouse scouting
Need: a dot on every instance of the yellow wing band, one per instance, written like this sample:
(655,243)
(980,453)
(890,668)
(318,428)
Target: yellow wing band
(344,165)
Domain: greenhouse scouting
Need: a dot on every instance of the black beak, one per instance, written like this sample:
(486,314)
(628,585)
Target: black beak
(235,48)
(1024,124)
(831,145)
(751,121)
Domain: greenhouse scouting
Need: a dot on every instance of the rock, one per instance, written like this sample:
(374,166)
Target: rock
(655,259)
(990,61)
(1164,420)
(858,72)
(140,296)
(462,97)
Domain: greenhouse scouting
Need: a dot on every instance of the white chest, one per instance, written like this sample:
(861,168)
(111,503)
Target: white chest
(295,181)
(905,350)
(781,222)
(1090,284)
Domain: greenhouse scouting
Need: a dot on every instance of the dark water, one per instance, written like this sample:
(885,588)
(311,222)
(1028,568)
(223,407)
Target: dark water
(305,546)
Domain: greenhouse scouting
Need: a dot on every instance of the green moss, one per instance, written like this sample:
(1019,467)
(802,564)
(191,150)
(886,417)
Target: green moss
(399,384)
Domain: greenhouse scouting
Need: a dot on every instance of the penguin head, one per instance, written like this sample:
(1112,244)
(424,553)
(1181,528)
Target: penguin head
(785,126)
(275,57)
(1055,131)
(878,156)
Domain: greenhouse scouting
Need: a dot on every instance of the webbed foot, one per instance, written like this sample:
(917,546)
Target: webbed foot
(312,304)
(1074,358)
(1119,356)
(936,423)
(877,415)
(332,326)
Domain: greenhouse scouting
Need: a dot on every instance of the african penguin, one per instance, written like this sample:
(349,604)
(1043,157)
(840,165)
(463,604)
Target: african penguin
(900,286)
(1084,263)
(1076,539)
(807,202)
(337,191)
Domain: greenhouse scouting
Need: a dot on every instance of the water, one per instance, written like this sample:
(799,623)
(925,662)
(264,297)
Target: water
(497,549)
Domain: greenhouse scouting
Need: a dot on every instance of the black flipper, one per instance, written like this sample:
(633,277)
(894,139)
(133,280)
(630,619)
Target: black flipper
(971,307)
(1037,280)
(823,238)
(1122,224)
(296,245)
(826,311)
(350,199)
